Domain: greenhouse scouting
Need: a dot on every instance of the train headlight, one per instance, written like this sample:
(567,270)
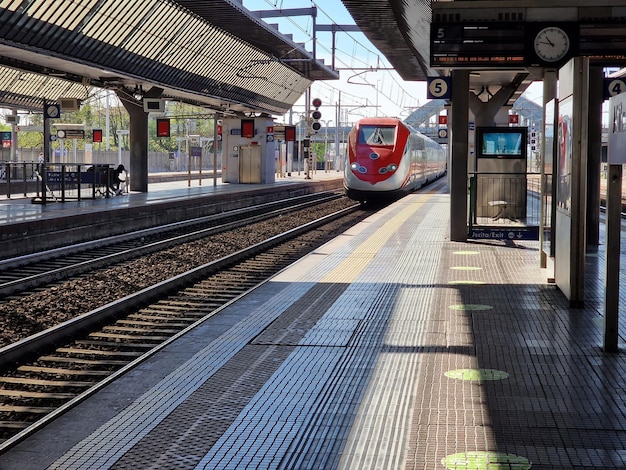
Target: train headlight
(392,167)
(356,167)
(383,170)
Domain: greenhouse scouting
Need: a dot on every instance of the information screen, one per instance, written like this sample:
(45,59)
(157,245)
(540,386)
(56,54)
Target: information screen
(494,44)
(502,142)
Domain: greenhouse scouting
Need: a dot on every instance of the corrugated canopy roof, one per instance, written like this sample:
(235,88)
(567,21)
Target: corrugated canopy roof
(400,30)
(211,52)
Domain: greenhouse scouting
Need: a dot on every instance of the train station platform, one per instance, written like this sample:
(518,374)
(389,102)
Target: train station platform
(390,347)
(27,227)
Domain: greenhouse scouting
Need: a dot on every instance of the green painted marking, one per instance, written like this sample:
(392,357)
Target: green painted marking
(475,307)
(466,268)
(485,461)
(466,281)
(476,374)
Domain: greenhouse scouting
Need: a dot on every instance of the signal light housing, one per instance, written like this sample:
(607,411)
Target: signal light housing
(316,115)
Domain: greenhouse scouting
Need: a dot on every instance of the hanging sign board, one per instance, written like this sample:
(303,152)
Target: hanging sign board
(617,130)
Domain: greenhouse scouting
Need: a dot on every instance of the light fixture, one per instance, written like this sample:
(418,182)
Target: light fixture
(138,93)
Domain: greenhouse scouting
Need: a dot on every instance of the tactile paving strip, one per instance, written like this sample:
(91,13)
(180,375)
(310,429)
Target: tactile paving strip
(552,410)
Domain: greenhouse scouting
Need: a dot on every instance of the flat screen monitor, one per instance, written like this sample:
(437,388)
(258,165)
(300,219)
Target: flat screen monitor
(502,142)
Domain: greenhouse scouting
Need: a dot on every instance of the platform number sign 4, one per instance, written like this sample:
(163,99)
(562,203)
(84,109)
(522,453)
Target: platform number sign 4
(613,87)
(439,88)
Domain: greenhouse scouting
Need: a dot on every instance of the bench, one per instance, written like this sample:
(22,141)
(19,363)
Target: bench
(504,210)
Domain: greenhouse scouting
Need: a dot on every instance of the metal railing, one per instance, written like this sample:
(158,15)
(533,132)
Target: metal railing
(504,199)
(18,178)
(60,182)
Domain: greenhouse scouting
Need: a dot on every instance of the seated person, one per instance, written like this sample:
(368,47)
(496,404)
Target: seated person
(118,178)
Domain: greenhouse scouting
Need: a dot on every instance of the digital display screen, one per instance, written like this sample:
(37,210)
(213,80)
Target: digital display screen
(466,45)
(505,142)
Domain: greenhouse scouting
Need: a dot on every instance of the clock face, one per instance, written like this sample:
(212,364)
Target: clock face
(52,110)
(551,44)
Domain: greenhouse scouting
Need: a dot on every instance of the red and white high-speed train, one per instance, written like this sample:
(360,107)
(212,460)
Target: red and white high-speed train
(388,158)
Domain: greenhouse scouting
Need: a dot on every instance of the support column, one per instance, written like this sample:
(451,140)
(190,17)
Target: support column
(594,158)
(139,151)
(548,161)
(138,141)
(457,178)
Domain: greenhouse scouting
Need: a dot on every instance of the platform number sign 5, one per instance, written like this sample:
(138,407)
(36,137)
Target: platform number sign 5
(439,88)
(613,87)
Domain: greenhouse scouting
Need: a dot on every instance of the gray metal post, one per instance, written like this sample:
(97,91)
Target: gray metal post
(613,233)
(458,165)
(215,143)
(594,158)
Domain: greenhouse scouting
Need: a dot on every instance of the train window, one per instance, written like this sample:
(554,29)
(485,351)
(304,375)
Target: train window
(377,135)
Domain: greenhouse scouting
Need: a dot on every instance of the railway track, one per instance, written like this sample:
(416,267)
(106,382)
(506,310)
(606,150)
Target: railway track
(26,272)
(49,373)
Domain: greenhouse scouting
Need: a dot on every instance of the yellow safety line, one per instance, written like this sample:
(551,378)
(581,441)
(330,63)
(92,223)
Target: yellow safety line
(349,269)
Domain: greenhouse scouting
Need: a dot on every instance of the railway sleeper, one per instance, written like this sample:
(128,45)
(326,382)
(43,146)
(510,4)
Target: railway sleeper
(128,329)
(63,372)
(166,318)
(14,425)
(78,360)
(154,323)
(219,286)
(114,344)
(156,339)
(45,383)
(187,307)
(163,309)
(30,394)
(99,352)
(39,410)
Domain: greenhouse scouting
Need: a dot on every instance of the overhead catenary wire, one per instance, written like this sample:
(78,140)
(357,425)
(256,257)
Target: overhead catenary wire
(388,87)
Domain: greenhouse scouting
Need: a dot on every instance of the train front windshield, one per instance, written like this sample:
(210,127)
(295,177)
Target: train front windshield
(377,135)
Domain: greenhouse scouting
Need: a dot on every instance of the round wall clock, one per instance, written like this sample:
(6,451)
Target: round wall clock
(551,44)
(52,110)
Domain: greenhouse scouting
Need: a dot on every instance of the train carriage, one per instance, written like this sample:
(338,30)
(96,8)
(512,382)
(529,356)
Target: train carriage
(388,158)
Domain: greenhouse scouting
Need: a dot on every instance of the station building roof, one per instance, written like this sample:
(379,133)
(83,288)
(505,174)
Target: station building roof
(212,53)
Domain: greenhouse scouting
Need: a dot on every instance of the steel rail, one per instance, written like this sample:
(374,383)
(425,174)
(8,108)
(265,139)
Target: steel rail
(34,345)
(242,216)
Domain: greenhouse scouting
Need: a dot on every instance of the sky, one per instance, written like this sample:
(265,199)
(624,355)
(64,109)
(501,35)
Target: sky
(362,90)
